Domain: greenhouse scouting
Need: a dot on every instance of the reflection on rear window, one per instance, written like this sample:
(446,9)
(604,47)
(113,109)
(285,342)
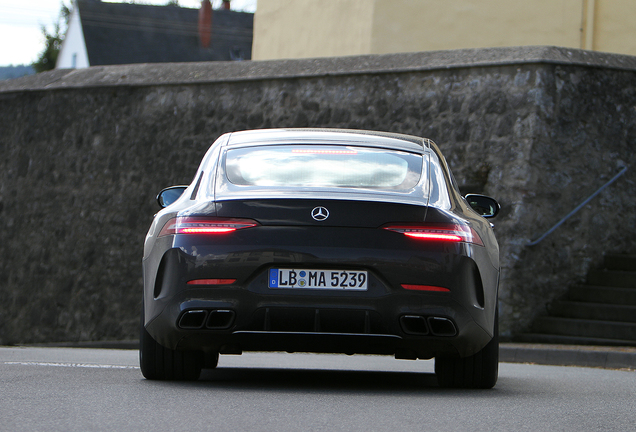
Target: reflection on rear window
(323,166)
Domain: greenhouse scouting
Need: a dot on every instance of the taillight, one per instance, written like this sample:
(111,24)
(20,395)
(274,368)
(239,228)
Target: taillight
(413,287)
(336,152)
(200,225)
(438,232)
(211,282)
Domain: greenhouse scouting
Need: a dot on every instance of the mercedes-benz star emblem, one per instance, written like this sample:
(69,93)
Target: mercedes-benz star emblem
(320,213)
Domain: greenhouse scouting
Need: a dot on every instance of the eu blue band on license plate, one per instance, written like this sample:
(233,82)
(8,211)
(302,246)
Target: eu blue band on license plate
(353,280)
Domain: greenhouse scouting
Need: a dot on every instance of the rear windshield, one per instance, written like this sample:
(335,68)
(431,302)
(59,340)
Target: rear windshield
(323,166)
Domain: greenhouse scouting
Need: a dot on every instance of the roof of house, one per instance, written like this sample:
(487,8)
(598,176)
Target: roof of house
(124,33)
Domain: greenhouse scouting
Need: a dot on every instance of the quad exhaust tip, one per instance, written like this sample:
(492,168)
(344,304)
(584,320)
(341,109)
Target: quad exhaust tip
(216,319)
(441,326)
(436,326)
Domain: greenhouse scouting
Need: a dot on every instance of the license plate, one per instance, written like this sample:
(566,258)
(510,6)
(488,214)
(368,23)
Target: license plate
(353,280)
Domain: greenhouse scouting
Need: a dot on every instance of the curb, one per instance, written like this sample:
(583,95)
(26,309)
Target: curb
(569,355)
(115,344)
(544,354)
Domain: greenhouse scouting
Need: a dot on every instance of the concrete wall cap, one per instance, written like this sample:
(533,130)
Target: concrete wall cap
(151,74)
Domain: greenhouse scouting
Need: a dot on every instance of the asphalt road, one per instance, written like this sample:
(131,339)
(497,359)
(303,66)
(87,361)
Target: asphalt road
(67,389)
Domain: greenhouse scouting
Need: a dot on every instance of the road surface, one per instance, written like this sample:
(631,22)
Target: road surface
(68,389)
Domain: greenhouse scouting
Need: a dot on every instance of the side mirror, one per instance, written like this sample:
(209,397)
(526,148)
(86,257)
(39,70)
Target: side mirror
(483,205)
(169,195)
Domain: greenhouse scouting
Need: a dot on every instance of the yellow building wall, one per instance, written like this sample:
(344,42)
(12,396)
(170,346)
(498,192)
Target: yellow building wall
(427,25)
(311,28)
(321,28)
(615,26)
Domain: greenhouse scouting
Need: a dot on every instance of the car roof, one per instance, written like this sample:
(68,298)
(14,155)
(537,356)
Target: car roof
(328,136)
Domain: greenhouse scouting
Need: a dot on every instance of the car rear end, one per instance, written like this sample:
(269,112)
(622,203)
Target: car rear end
(323,244)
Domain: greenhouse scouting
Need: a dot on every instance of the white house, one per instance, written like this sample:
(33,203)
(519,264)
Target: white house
(102,33)
(73,52)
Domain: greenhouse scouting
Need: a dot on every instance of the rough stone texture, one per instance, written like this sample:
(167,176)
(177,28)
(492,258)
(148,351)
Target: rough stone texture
(84,153)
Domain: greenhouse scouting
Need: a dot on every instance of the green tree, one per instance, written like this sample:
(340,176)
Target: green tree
(52,42)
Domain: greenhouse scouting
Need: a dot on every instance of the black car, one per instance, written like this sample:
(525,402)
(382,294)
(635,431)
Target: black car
(322,240)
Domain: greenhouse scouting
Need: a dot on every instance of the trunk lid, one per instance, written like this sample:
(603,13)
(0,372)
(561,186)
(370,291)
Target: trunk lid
(321,212)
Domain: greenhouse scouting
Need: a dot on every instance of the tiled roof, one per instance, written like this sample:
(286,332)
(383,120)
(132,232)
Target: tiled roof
(123,33)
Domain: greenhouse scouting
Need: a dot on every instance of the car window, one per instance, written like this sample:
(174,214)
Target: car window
(323,166)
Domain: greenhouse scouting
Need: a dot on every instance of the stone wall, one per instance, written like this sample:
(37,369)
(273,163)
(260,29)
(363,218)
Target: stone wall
(84,153)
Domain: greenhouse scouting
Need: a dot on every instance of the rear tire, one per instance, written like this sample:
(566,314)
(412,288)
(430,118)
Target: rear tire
(478,371)
(160,363)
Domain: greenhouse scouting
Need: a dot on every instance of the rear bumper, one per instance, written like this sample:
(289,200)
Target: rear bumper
(234,320)
(384,319)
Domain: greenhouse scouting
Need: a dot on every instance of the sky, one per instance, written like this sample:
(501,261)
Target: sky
(21,37)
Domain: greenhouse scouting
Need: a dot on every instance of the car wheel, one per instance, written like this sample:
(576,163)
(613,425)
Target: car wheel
(479,371)
(160,363)
(211,360)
